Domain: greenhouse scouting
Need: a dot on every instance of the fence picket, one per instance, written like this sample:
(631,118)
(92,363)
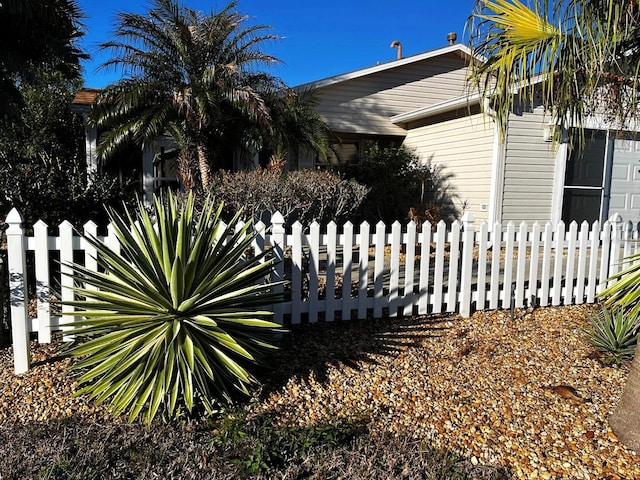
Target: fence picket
(582,258)
(409,268)
(278,242)
(468,236)
(481,296)
(556,288)
(571,260)
(425,258)
(454,258)
(314,270)
(507,290)
(627,239)
(90,229)
(394,272)
(378,270)
(111,239)
(438,274)
(43,292)
(592,255)
(66,280)
(616,241)
(592,282)
(546,265)
(496,247)
(258,241)
(605,249)
(296,272)
(521,265)
(330,277)
(534,256)
(347,267)
(363,269)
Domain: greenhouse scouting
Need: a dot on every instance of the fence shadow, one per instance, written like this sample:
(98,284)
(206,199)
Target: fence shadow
(312,348)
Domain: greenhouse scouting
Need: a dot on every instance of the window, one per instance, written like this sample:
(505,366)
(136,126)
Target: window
(584,180)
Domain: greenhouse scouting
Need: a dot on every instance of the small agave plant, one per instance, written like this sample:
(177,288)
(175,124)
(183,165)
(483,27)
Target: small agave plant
(174,321)
(613,333)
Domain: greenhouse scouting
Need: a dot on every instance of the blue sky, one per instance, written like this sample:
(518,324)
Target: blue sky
(319,39)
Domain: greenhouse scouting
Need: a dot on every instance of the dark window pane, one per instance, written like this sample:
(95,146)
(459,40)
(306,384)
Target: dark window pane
(585,168)
(581,205)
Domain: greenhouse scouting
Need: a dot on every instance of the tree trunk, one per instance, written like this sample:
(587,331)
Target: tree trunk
(203,164)
(187,170)
(625,421)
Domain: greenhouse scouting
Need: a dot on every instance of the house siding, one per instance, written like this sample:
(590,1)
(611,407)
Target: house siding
(364,105)
(529,168)
(463,149)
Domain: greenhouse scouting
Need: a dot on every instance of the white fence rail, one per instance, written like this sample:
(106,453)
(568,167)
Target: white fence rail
(365,271)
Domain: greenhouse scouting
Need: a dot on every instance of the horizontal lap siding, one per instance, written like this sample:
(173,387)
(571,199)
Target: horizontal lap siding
(463,148)
(528,170)
(364,105)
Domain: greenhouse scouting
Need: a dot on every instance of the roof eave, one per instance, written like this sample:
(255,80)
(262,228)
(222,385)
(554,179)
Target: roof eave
(459,48)
(436,109)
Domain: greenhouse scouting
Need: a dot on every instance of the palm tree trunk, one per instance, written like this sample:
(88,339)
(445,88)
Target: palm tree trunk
(187,170)
(625,421)
(203,164)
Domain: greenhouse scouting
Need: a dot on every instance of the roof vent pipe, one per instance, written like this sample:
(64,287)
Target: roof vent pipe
(452,37)
(394,44)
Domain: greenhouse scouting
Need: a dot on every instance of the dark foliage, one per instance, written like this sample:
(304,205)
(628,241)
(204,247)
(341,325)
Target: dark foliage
(400,181)
(42,165)
(36,34)
(229,449)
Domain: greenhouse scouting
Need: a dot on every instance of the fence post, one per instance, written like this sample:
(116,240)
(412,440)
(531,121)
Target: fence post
(18,296)
(616,244)
(468,241)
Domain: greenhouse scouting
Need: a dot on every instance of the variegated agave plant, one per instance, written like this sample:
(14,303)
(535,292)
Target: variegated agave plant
(174,320)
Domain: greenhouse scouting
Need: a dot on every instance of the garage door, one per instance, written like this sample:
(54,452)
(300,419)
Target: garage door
(625,179)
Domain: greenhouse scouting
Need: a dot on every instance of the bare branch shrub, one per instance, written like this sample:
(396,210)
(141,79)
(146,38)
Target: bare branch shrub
(304,195)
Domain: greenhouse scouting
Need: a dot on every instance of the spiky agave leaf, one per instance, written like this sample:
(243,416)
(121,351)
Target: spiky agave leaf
(174,320)
(613,333)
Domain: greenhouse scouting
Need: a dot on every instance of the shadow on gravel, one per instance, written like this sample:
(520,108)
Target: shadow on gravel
(238,444)
(312,348)
(78,448)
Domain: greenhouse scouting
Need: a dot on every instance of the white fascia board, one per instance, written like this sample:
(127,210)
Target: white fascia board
(458,47)
(602,123)
(437,108)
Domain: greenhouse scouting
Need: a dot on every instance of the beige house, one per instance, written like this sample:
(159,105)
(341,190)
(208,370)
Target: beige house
(423,102)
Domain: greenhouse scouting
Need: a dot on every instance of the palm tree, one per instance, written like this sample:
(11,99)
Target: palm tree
(578,57)
(581,57)
(187,75)
(297,123)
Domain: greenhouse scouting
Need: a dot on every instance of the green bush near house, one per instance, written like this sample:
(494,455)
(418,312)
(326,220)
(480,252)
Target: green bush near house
(174,322)
(398,181)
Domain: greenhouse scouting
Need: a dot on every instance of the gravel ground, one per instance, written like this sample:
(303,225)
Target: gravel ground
(484,387)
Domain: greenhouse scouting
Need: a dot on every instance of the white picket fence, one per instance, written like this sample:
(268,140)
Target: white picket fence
(367,271)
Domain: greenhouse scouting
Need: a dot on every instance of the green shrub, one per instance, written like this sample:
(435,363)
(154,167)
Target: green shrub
(613,333)
(400,181)
(175,319)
